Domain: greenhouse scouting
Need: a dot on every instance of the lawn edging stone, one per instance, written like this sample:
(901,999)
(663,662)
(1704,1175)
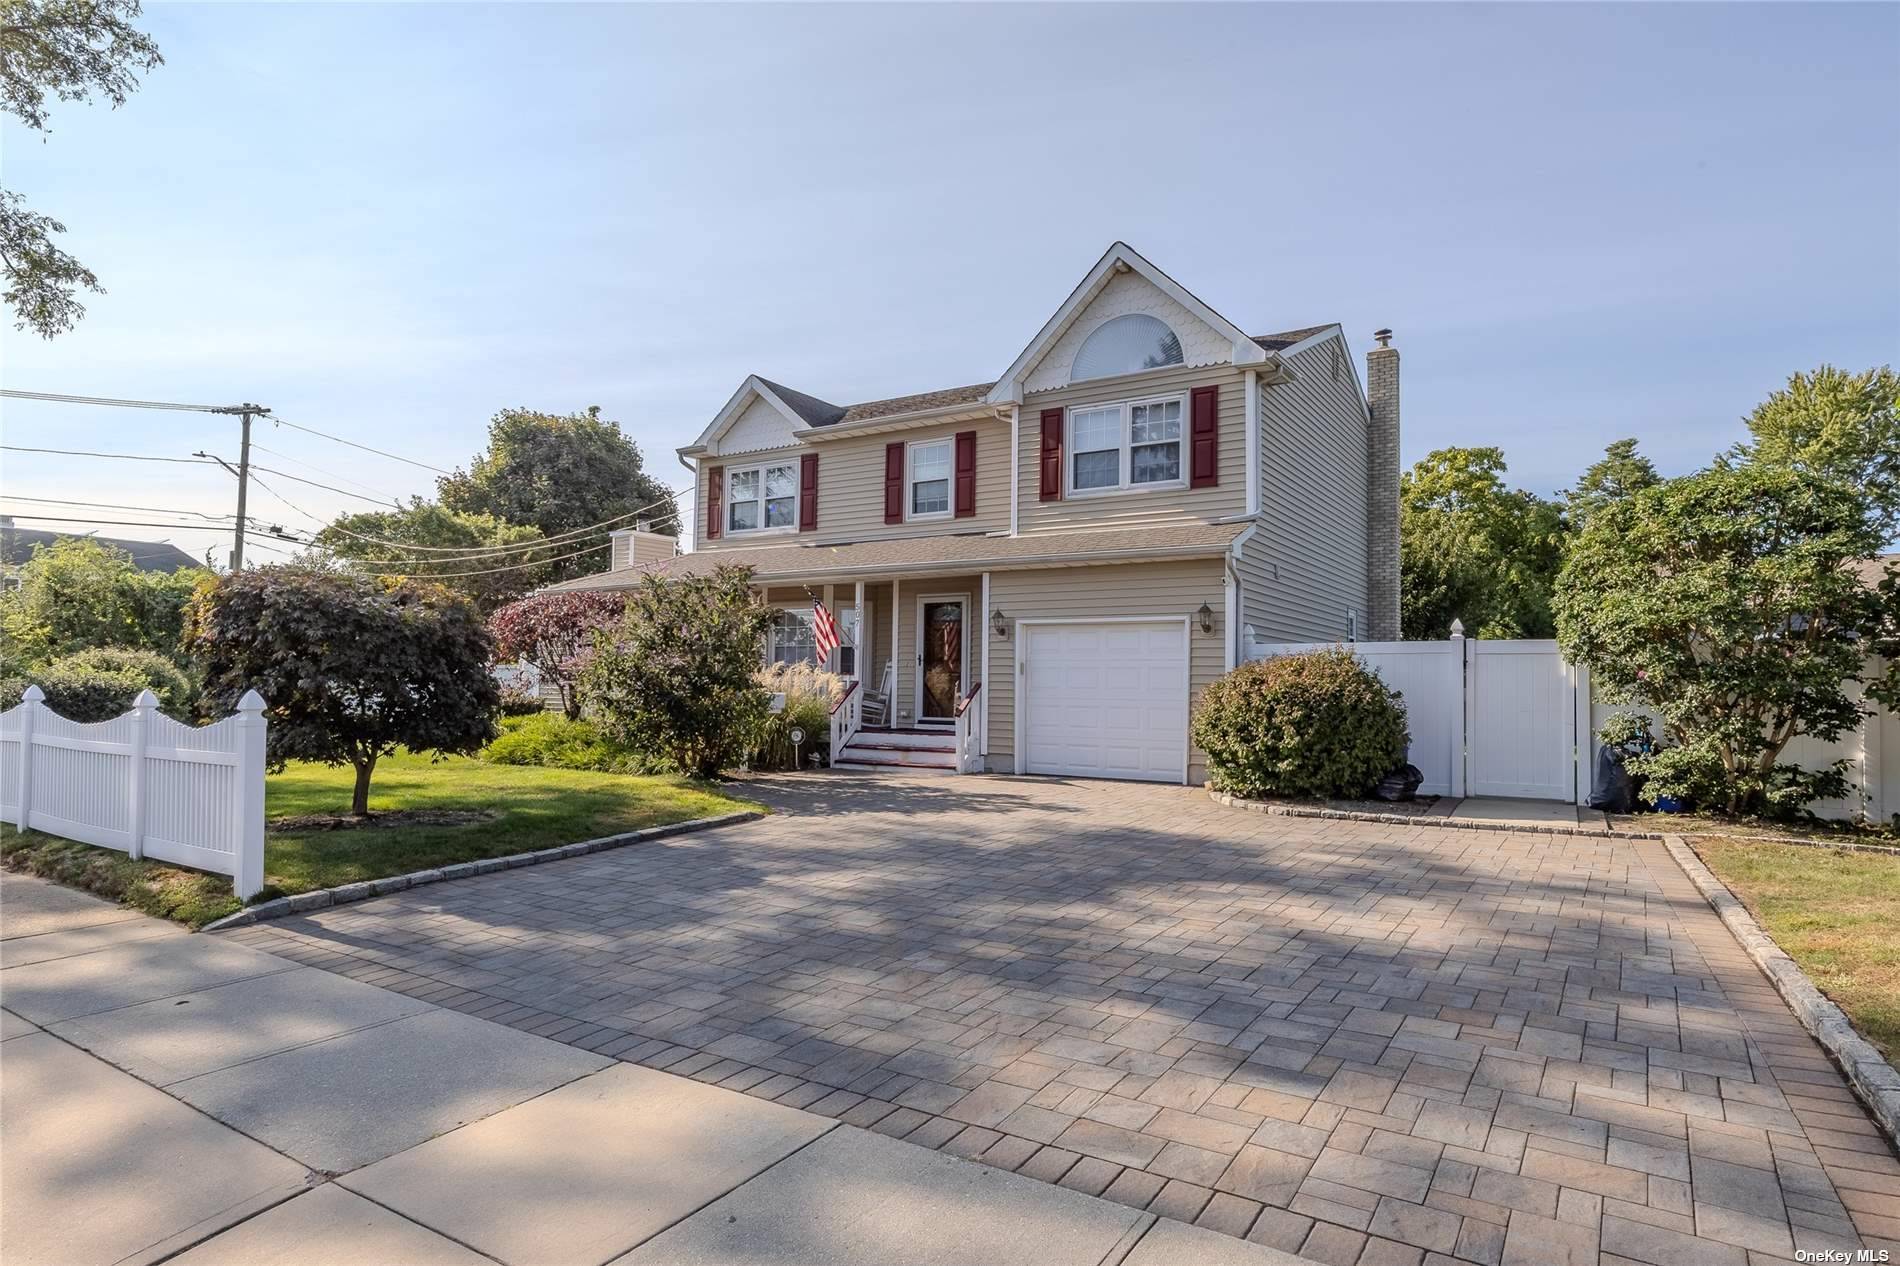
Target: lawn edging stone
(343,894)
(1874,1080)
(1273,808)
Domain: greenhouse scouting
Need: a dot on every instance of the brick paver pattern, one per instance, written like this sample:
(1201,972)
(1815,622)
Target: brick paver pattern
(1362,1043)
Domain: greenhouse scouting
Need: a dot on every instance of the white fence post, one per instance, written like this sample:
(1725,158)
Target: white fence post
(1586,735)
(248,871)
(1461,665)
(30,704)
(142,709)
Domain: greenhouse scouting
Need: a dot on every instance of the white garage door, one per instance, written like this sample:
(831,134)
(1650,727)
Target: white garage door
(1106,700)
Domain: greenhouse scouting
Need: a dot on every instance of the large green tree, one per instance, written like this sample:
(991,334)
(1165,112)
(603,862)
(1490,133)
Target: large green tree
(76,594)
(561,473)
(1732,605)
(676,679)
(1621,472)
(351,667)
(69,50)
(1472,549)
(1837,425)
(477,555)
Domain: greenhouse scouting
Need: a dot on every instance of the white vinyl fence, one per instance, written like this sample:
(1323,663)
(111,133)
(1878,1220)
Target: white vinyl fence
(142,783)
(1512,718)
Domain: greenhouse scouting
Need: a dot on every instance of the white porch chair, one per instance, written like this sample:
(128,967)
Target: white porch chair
(877,703)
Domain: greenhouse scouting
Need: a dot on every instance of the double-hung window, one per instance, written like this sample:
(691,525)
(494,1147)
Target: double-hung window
(792,638)
(762,497)
(1129,444)
(928,481)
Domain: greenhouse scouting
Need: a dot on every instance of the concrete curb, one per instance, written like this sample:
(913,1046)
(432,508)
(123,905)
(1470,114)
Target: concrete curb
(324,898)
(1272,809)
(1873,1078)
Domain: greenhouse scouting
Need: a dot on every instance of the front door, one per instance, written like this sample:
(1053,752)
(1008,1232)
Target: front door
(940,659)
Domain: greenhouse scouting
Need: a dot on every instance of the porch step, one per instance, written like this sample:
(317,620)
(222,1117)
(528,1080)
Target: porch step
(906,740)
(858,755)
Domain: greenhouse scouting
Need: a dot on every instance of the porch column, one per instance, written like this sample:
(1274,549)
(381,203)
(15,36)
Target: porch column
(896,677)
(857,636)
(981,628)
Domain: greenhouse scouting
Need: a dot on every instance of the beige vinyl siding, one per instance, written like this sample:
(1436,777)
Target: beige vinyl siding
(1168,590)
(851,488)
(1305,567)
(1134,508)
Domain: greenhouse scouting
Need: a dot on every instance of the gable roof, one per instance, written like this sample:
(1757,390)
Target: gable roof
(1119,257)
(17,545)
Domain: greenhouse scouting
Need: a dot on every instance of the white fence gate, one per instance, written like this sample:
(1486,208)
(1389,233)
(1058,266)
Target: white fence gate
(142,783)
(1487,718)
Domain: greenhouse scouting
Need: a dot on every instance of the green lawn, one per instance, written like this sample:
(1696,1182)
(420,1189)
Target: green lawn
(535,808)
(1836,913)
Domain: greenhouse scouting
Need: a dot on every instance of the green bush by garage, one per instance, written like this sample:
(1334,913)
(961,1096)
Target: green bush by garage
(1314,725)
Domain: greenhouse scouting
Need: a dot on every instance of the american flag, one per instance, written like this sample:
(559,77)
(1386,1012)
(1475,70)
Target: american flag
(824,630)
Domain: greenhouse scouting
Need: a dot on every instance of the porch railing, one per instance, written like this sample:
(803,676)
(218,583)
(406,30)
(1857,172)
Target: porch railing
(969,748)
(847,718)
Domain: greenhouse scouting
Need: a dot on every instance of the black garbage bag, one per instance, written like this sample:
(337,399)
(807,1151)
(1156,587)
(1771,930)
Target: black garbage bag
(1610,787)
(1400,784)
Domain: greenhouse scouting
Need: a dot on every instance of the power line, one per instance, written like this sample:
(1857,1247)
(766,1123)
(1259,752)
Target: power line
(129,457)
(58,397)
(370,564)
(322,470)
(457,554)
(310,430)
(115,505)
(183,527)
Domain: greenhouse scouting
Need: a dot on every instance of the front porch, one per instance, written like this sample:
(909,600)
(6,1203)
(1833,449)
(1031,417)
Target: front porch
(913,651)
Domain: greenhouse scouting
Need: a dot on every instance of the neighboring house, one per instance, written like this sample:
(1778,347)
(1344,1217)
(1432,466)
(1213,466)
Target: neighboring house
(1087,539)
(17,545)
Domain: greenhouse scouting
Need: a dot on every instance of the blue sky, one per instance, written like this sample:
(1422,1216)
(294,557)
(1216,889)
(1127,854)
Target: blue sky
(387,222)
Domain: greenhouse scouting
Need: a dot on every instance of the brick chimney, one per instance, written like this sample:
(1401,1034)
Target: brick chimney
(1382,490)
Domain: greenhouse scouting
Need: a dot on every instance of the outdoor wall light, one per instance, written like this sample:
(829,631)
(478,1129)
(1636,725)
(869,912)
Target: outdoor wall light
(1206,616)
(997,624)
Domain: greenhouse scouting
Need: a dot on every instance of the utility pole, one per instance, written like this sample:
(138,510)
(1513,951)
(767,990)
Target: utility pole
(244,485)
(243,472)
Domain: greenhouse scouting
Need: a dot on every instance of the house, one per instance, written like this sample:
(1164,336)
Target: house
(1037,574)
(17,546)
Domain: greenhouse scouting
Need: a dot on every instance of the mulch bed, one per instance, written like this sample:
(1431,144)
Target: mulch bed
(377,821)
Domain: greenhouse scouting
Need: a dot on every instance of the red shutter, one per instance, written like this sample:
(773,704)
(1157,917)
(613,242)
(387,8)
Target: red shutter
(808,492)
(1051,456)
(966,474)
(715,497)
(1205,461)
(894,483)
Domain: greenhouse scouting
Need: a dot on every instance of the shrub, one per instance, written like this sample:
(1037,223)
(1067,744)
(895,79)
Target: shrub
(675,679)
(555,633)
(1319,724)
(100,684)
(809,693)
(550,739)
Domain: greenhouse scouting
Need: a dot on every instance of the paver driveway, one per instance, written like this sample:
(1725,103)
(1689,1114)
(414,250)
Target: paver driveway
(1362,1043)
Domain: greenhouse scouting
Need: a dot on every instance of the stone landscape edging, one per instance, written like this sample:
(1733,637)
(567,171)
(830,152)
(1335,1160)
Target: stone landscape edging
(1274,809)
(1874,1080)
(343,894)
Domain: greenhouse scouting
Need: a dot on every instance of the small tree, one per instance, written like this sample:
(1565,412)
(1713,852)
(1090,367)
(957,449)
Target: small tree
(555,633)
(676,679)
(1621,472)
(351,668)
(1731,604)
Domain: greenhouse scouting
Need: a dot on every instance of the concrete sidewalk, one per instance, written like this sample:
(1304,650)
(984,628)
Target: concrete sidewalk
(173,1097)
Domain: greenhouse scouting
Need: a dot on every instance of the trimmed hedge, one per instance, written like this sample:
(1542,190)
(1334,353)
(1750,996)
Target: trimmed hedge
(1319,724)
(550,739)
(101,683)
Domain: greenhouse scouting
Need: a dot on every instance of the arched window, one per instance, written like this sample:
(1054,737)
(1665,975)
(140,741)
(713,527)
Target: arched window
(1126,345)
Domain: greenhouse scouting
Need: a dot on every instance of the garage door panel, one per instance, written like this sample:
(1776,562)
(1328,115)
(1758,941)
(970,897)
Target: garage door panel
(1106,700)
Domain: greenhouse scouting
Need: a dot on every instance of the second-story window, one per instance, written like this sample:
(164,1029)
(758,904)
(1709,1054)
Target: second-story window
(1128,444)
(762,497)
(930,479)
